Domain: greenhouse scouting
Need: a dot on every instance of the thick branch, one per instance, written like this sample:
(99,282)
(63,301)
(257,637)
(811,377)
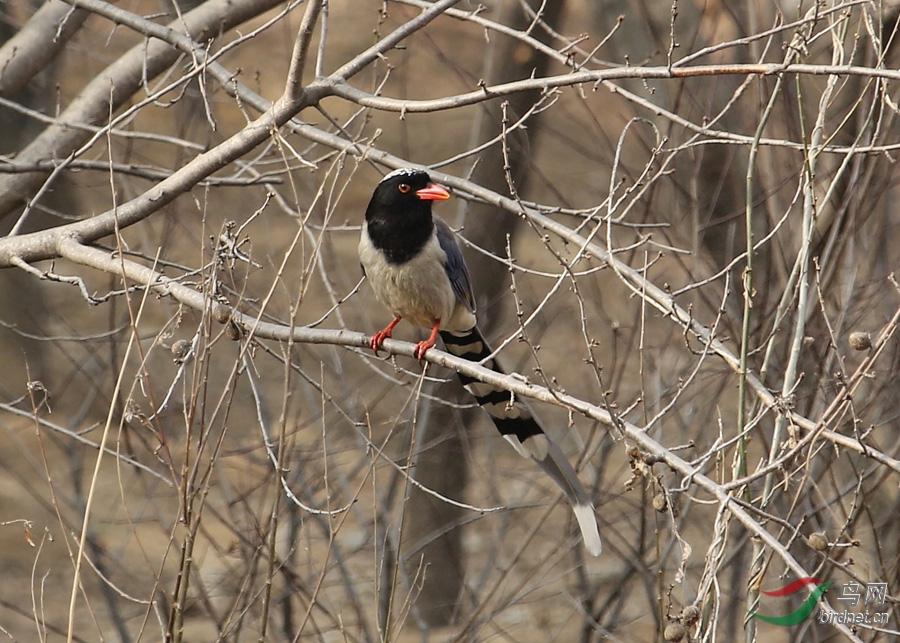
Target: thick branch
(35,44)
(293,86)
(116,84)
(47,244)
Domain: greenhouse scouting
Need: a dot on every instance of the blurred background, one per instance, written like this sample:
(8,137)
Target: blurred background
(253,489)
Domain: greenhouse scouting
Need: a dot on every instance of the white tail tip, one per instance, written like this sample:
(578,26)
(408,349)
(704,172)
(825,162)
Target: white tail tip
(587,521)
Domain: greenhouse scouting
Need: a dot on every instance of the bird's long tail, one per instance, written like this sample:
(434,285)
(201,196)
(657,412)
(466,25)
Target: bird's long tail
(515,421)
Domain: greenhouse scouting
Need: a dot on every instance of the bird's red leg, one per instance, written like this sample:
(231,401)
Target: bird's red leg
(423,346)
(379,337)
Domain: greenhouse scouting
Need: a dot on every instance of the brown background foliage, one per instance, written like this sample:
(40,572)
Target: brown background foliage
(185,528)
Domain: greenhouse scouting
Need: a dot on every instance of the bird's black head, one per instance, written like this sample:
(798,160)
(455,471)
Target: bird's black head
(399,214)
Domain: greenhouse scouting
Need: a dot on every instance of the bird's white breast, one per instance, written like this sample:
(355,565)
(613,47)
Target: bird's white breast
(417,290)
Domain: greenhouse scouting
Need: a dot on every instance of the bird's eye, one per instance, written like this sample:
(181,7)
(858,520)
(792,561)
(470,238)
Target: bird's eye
(403,187)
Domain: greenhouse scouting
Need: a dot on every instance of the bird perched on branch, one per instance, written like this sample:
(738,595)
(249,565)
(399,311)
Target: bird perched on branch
(416,269)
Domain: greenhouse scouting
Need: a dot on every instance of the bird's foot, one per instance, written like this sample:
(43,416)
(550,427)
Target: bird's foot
(421,347)
(379,337)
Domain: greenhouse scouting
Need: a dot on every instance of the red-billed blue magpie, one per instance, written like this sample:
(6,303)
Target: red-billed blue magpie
(414,264)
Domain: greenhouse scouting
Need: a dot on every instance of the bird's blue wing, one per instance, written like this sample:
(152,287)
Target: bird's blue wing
(456,269)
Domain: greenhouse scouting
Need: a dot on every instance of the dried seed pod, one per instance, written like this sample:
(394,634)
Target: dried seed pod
(690,615)
(860,340)
(180,350)
(674,632)
(818,541)
(233,330)
(660,502)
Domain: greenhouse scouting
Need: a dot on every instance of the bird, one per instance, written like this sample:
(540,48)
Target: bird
(412,260)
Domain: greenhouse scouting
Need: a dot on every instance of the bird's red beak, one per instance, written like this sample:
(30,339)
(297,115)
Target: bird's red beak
(433,192)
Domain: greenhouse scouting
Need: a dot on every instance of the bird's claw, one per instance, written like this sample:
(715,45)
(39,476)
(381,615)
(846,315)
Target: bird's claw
(421,347)
(378,339)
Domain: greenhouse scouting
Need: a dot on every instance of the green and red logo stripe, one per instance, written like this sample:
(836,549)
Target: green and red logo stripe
(805,609)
